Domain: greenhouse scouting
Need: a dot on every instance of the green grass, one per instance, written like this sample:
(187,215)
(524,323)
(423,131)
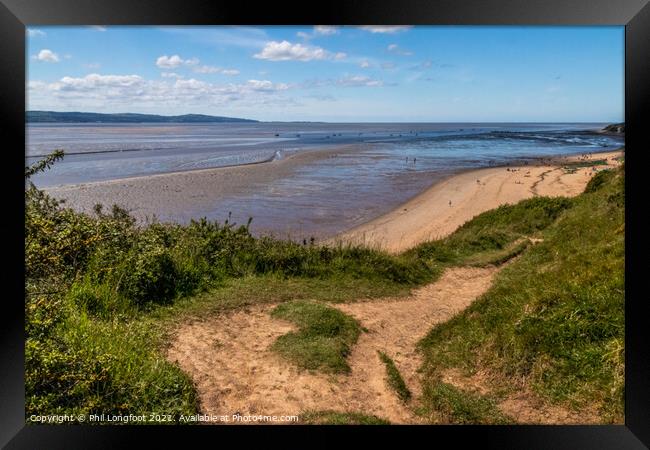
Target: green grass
(394,378)
(448,404)
(493,235)
(102,295)
(324,339)
(554,317)
(340,418)
(499,256)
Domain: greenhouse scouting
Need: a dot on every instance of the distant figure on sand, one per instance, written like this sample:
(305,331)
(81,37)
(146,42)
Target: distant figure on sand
(449,202)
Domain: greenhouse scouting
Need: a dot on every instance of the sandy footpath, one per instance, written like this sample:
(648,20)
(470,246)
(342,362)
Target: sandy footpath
(441,209)
(230,359)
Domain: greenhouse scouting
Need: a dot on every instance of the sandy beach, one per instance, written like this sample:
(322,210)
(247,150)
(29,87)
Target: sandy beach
(146,196)
(447,205)
(432,214)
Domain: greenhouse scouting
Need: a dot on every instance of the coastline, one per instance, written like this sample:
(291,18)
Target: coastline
(146,195)
(425,216)
(442,208)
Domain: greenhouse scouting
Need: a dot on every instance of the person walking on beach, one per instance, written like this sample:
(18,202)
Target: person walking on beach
(449,202)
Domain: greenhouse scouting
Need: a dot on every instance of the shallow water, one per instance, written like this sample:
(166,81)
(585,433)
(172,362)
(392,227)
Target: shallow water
(389,164)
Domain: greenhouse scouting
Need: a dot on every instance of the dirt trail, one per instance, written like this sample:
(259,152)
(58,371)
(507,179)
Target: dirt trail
(229,356)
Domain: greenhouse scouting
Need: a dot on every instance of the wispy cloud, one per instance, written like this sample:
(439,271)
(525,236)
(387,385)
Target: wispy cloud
(319,30)
(99,28)
(344,81)
(171,75)
(91,66)
(246,37)
(214,69)
(33,32)
(386,29)
(397,50)
(359,80)
(325,30)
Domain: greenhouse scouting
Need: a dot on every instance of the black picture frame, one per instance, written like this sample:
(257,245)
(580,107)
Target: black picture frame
(15,15)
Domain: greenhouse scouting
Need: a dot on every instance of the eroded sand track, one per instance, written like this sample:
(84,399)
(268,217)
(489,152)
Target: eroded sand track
(230,360)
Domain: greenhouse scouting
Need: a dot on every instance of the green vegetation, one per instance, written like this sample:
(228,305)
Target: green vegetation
(324,339)
(85,117)
(495,235)
(102,294)
(615,128)
(448,404)
(555,317)
(395,380)
(340,418)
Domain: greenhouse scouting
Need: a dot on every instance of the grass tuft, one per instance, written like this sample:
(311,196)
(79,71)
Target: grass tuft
(341,418)
(324,338)
(449,404)
(394,378)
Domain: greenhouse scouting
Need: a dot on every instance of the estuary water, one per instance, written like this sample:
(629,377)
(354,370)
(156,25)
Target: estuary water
(380,165)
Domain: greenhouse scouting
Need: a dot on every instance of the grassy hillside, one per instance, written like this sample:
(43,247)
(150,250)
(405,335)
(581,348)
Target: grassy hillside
(87,117)
(553,322)
(102,294)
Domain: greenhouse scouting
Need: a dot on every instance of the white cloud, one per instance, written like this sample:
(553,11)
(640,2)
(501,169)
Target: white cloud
(266,86)
(207,69)
(98,27)
(92,66)
(169,62)
(325,30)
(33,32)
(170,75)
(390,29)
(359,80)
(95,80)
(319,30)
(174,61)
(286,51)
(123,91)
(214,69)
(394,48)
(47,56)
(364,64)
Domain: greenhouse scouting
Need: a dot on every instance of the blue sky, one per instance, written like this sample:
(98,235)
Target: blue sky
(336,74)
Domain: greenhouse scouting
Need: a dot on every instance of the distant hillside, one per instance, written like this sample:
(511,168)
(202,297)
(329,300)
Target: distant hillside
(86,117)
